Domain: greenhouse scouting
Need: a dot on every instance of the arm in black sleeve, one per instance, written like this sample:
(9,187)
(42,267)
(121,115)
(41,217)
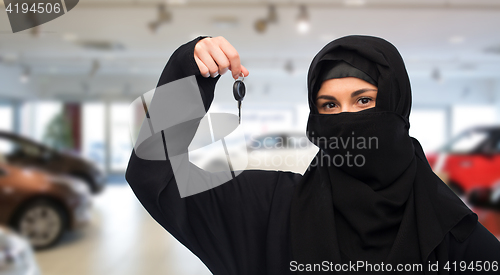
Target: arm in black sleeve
(481,248)
(182,64)
(224,226)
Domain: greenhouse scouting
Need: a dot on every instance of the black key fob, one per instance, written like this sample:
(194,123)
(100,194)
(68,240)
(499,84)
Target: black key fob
(239,93)
(239,90)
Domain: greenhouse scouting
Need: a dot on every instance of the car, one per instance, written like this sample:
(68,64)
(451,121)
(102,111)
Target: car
(470,161)
(486,197)
(485,202)
(23,151)
(16,254)
(41,206)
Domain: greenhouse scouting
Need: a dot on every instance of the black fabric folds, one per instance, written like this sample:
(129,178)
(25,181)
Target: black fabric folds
(370,194)
(339,69)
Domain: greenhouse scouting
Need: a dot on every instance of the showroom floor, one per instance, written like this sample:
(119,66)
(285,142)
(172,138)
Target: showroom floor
(122,239)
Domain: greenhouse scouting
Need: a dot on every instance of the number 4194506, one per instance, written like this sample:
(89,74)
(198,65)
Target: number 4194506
(34,8)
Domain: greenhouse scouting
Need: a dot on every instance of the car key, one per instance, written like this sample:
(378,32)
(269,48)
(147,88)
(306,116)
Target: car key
(239,93)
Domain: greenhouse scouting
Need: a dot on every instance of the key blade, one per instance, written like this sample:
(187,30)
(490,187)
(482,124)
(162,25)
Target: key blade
(239,112)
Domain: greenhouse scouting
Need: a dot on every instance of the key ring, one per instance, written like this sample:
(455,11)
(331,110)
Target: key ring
(242,76)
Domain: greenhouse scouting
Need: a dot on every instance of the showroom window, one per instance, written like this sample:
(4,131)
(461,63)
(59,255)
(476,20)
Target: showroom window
(428,126)
(36,116)
(465,117)
(121,146)
(7,115)
(93,135)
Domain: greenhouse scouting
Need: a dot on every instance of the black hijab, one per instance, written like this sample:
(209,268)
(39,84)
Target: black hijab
(370,194)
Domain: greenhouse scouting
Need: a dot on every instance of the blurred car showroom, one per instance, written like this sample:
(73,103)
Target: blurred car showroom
(67,85)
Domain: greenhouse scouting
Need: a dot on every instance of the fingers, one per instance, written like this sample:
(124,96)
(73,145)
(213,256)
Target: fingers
(233,57)
(209,67)
(216,56)
(224,70)
(203,69)
(220,59)
(244,72)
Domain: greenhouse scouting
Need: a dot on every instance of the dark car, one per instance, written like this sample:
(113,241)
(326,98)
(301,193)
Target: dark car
(22,151)
(41,206)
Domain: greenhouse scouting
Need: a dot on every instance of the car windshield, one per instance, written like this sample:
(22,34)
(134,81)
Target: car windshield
(466,142)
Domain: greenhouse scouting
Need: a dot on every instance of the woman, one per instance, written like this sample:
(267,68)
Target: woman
(369,198)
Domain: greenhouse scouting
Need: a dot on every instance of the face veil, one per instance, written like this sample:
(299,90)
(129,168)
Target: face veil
(388,206)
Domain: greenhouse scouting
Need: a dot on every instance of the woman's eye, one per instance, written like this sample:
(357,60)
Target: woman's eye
(329,105)
(364,100)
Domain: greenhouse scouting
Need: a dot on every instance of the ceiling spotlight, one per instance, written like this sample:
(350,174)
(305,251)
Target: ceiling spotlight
(272,15)
(25,76)
(260,25)
(34,21)
(164,16)
(35,31)
(153,26)
(303,20)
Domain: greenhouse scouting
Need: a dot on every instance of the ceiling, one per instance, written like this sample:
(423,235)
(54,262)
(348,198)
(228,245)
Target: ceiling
(104,49)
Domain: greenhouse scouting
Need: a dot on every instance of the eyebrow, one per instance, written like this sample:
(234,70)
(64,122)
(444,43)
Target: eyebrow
(354,94)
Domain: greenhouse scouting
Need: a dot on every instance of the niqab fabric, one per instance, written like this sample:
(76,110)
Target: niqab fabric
(370,194)
(339,69)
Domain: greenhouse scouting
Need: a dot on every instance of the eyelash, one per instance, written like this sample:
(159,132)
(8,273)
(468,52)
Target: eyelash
(324,105)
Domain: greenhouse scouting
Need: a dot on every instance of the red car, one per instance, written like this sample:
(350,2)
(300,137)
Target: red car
(471,161)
